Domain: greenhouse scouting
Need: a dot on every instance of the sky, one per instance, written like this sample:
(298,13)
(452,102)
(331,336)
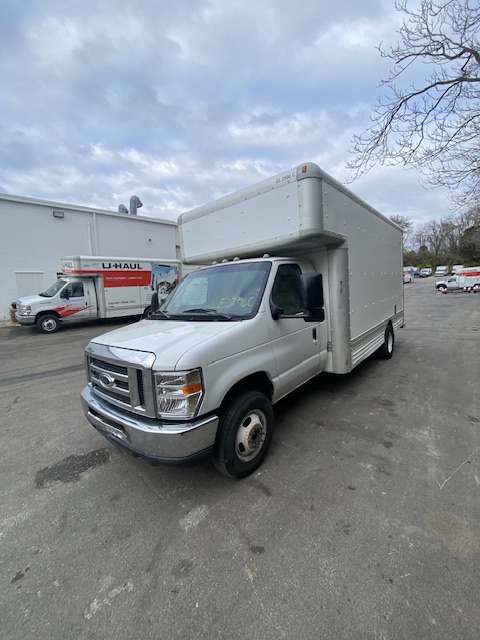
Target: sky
(183,102)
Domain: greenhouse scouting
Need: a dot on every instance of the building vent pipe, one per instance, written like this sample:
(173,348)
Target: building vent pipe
(135,203)
(122,208)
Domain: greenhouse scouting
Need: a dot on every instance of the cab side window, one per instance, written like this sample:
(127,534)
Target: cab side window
(75,290)
(286,289)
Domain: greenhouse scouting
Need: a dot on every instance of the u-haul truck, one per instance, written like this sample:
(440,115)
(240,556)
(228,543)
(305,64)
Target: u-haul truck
(99,287)
(465,279)
(306,277)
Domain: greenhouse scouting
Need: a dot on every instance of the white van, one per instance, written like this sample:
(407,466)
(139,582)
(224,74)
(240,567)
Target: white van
(441,272)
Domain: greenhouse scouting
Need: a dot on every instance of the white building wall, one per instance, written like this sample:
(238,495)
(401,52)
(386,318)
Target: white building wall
(33,241)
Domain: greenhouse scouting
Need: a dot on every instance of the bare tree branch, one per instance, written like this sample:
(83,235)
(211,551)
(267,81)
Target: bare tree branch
(434,127)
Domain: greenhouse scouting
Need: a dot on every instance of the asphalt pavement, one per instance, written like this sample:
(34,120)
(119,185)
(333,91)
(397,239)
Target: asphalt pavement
(363,522)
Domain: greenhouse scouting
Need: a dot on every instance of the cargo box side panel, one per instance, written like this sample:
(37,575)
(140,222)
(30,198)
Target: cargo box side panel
(374,259)
(241,227)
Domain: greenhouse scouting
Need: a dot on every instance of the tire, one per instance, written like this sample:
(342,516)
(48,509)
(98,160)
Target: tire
(386,350)
(48,323)
(147,312)
(244,434)
(441,289)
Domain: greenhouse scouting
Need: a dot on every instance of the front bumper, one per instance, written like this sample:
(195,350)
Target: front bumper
(25,321)
(154,441)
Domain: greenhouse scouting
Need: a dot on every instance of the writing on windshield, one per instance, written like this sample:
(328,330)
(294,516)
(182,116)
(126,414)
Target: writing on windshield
(229,290)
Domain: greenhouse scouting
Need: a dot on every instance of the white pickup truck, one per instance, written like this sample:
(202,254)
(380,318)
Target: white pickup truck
(306,278)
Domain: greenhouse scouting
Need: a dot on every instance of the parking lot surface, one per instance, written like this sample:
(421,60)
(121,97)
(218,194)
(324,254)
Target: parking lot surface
(363,522)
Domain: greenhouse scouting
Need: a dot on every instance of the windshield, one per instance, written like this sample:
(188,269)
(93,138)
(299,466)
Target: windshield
(224,292)
(54,289)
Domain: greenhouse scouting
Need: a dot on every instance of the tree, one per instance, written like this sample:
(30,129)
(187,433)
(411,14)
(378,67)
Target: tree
(433,126)
(419,237)
(470,238)
(470,244)
(405,224)
(436,235)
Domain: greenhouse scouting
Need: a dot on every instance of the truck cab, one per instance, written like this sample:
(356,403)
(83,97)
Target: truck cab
(65,300)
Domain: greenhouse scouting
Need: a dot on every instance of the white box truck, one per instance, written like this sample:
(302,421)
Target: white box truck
(98,287)
(408,274)
(465,279)
(306,278)
(441,271)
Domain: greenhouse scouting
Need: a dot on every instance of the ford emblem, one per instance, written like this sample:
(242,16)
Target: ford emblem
(106,380)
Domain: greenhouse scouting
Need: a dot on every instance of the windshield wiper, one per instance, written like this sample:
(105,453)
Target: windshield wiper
(158,313)
(209,312)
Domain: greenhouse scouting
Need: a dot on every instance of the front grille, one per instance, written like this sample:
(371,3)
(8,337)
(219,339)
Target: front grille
(122,384)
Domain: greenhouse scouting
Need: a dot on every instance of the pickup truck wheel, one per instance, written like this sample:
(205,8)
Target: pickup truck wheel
(48,323)
(442,288)
(386,350)
(244,434)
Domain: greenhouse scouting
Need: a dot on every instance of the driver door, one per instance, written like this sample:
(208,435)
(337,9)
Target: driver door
(295,343)
(78,301)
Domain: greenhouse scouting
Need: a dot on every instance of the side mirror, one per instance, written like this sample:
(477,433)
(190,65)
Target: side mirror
(311,291)
(276,311)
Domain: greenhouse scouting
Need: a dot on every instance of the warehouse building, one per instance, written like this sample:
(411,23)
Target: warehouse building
(35,234)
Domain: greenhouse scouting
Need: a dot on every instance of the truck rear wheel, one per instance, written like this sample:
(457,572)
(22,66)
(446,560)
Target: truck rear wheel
(244,434)
(48,323)
(386,350)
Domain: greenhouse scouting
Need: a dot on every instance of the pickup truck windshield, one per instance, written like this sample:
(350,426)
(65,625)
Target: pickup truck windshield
(224,292)
(53,289)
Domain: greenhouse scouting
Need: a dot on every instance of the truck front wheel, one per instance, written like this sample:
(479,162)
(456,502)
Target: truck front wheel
(48,323)
(244,434)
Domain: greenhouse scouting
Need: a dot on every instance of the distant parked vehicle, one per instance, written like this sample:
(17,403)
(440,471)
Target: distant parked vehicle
(441,271)
(456,267)
(408,273)
(424,273)
(466,279)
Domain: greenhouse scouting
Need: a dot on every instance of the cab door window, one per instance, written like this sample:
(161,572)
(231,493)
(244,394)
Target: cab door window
(73,290)
(286,289)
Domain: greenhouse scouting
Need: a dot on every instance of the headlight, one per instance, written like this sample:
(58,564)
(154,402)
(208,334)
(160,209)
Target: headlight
(178,393)
(25,309)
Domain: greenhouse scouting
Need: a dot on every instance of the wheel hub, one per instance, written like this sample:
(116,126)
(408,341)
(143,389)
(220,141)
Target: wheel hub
(49,324)
(250,436)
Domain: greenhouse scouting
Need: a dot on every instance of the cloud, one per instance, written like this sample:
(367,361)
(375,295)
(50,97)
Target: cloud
(184,102)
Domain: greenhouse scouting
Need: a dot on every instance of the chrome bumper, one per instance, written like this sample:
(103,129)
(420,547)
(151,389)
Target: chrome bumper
(25,321)
(151,440)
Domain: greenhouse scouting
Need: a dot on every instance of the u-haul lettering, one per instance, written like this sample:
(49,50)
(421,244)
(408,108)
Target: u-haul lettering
(121,265)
